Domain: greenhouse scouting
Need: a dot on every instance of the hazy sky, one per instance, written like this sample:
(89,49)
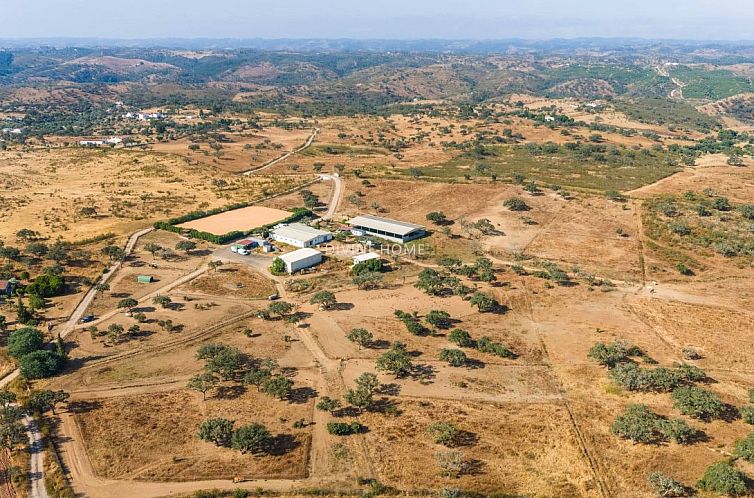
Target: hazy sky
(404,19)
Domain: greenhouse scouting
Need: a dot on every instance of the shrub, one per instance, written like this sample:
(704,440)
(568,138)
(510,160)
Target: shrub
(461,337)
(253,438)
(437,217)
(371,265)
(454,357)
(690,373)
(680,228)
(216,430)
(516,204)
(747,414)
(665,487)
(413,326)
(683,269)
(677,430)
(745,448)
(444,433)
(630,376)
(721,204)
(344,428)
(439,319)
(747,211)
(487,345)
(328,404)
(610,355)
(278,266)
(697,402)
(638,424)
(723,478)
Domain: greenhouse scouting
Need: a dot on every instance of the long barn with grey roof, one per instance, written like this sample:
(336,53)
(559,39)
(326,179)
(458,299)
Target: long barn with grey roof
(385,228)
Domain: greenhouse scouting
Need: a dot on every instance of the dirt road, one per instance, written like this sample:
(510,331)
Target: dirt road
(36,473)
(285,156)
(37,469)
(336,196)
(675,93)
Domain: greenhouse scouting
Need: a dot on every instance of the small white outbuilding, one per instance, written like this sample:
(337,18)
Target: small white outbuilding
(303,258)
(360,258)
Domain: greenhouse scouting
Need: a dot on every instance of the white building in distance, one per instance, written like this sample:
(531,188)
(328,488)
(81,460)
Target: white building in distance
(385,228)
(300,235)
(300,259)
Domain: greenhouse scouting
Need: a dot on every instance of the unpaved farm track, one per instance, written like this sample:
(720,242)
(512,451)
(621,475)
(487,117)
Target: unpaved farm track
(179,342)
(36,472)
(285,156)
(36,475)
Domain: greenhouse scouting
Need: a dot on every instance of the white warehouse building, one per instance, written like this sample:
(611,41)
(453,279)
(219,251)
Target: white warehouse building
(300,235)
(384,228)
(300,259)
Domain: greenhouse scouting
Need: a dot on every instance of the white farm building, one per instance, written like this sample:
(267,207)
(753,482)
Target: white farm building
(361,258)
(300,235)
(384,228)
(300,259)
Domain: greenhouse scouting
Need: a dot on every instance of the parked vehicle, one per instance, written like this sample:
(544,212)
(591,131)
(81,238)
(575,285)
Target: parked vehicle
(243,252)
(273,297)
(87,319)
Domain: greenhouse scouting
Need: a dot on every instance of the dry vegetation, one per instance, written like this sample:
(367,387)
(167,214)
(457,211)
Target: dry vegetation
(533,423)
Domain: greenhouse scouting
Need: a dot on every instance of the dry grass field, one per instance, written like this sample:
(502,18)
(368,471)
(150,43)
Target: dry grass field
(536,423)
(131,437)
(45,190)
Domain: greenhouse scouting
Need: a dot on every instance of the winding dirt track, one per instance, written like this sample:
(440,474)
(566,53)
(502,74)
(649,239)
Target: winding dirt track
(285,156)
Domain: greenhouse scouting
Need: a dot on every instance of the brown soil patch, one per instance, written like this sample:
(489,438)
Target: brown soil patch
(239,219)
(233,280)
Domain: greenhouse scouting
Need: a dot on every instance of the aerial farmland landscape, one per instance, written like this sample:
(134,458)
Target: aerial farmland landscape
(295,254)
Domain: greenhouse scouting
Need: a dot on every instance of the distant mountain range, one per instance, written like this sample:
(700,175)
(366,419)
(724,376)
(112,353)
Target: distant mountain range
(382,45)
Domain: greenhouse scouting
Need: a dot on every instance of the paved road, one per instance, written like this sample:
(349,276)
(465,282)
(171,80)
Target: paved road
(285,156)
(336,195)
(36,473)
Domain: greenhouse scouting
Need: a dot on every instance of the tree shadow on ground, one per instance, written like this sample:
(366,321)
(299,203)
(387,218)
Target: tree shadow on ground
(301,395)
(229,392)
(473,363)
(83,406)
(379,344)
(392,389)
(282,444)
(424,373)
(341,307)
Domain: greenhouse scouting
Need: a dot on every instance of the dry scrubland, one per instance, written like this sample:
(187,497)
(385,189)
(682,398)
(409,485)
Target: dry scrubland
(45,190)
(537,424)
(241,151)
